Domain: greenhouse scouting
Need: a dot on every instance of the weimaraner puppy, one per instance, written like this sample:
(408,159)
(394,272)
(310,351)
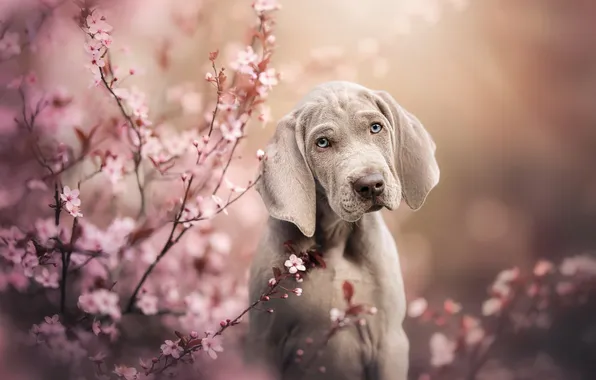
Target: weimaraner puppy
(343,153)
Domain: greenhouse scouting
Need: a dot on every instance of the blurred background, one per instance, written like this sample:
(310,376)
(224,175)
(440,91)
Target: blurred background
(507,89)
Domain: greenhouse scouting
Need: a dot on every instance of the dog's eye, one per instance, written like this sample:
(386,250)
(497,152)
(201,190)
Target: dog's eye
(376,127)
(323,143)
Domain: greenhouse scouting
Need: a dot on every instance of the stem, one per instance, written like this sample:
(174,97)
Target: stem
(138,153)
(169,244)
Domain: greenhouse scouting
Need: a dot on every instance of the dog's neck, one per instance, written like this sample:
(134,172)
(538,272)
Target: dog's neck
(331,230)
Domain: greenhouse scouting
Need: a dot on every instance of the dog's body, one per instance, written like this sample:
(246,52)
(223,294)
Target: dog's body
(343,153)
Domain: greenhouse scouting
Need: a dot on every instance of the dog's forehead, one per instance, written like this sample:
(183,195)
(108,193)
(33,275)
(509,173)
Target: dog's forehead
(337,104)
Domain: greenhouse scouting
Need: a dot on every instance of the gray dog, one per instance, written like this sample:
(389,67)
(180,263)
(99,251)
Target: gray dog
(343,153)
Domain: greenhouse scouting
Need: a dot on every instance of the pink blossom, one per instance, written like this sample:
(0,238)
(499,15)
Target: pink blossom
(29,263)
(542,268)
(502,284)
(578,264)
(170,348)
(260,154)
(336,315)
(451,306)
(12,253)
(492,306)
(295,264)
(100,302)
(245,61)
(442,350)
(75,211)
(70,196)
(268,78)
(147,303)
(128,373)
(45,229)
(261,6)
(417,307)
(9,45)
(212,345)
(47,278)
(98,27)
(71,201)
(114,168)
(231,130)
(297,291)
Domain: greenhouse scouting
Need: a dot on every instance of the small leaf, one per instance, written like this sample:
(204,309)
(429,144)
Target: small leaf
(289,246)
(348,289)
(179,334)
(355,310)
(316,256)
(84,140)
(140,234)
(193,343)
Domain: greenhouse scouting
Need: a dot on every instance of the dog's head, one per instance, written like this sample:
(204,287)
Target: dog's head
(362,148)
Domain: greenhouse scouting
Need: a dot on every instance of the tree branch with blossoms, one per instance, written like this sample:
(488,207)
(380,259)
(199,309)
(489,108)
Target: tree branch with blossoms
(517,303)
(77,251)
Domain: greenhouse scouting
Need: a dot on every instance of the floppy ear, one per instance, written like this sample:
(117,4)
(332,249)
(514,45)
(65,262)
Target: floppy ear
(287,185)
(414,152)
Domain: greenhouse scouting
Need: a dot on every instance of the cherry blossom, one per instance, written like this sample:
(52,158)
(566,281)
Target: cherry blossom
(492,306)
(336,315)
(578,264)
(417,307)
(100,302)
(245,61)
(147,303)
(9,45)
(127,373)
(114,168)
(261,6)
(47,278)
(268,78)
(212,345)
(442,350)
(295,264)
(170,348)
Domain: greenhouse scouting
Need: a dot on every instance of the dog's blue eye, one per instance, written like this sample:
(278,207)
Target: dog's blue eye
(323,143)
(376,128)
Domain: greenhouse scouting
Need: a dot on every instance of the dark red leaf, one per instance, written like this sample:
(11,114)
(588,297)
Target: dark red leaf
(193,343)
(316,256)
(348,291)
(355,310)
(289,246)
(140,234)
(84,140)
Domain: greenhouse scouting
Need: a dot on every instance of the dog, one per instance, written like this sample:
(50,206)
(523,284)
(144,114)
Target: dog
(342,154)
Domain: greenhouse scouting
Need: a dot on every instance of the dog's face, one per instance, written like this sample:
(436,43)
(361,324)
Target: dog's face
(349,147)
(363,149)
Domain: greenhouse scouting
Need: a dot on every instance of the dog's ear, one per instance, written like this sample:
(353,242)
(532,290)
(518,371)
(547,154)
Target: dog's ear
(414,152)
(287,185)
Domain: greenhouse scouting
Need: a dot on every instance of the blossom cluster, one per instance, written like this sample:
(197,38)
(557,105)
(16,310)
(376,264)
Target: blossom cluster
(517,301)
(98,272)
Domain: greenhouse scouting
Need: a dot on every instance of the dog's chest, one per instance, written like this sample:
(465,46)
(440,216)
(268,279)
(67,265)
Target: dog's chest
(375,283)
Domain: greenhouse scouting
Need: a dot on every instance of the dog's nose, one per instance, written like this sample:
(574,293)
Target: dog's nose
(369,186)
